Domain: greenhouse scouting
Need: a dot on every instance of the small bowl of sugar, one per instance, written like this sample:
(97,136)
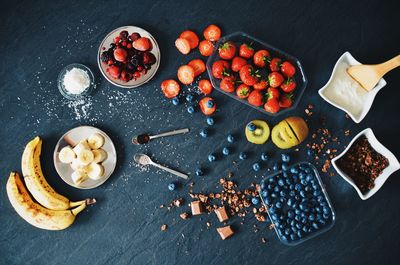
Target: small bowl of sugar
(75,81)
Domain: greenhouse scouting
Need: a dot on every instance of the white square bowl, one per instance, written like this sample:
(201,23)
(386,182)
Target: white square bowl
(348,59)
(393,166)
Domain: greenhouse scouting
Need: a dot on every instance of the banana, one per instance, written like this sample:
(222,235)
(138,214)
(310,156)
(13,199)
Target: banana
(94,171)
(99,155)
(95,141)
(66,155)
(82,145)
(85,157)
(34,213)
(37,184)
(76,165)
(78,176)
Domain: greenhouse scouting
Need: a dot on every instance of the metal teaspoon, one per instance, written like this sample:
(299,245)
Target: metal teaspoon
(145,138)
(143,159)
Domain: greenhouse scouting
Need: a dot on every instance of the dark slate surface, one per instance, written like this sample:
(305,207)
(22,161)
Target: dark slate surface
(39,38)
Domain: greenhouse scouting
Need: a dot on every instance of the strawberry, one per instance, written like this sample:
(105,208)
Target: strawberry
(114,71)
(261,85)
(288,69)
(206,48)
(246,51)
(134,36)
(272,92)
(237,63)
(142,44)
(207,106)
(272,105)
(227,50)
(274,64)
(243,91)
(227,84)
(198,65)
(220,69)
(286,100)
(205,86)
(120,54)
(186,74)
(149,58)
(212,33)
(170,88)
(248,75)
(255,98)
(275,79)
(261,57)
(288,85)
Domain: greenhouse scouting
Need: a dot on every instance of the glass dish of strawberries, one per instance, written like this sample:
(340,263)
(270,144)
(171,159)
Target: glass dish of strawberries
(256,73)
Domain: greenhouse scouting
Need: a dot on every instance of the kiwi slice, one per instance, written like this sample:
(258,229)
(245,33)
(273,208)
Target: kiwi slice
(289,132)
(260,135)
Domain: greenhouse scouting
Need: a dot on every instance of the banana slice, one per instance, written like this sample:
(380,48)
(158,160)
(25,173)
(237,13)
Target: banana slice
(85,157)
(77,165)
(66,155)
(95,171)
(95,141)
(99,155)
(82,145)
(78,177)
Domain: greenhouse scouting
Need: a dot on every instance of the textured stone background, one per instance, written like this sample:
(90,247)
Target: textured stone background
(39,38)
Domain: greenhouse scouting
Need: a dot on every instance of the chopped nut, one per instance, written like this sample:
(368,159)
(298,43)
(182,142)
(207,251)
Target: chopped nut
(196,208)
(222,214)
(184,215)
(164,227)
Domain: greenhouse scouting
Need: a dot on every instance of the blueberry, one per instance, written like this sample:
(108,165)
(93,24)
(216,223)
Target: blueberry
(285,166)
(293,237)
(210,121)
(276,167)
(326,210)
(230,138)
(190,109)
(302,193)
(175,101)
(309,177)
(277,189)
(297,218)
(299,234)
(251,127)
(274,195)
(210,103)
(281,182)
(267,201)
(204,133)
(294,170)
(315,225)
(290,202)
(274,217)
(310,152)
(271,180)
(254,201)
(225,151)
(285,158)
(264,193)
(264,157)
(211,157)
(242,156)
(270,187)
(199,172)
(299,226)
(283,194)
(304,182)
(189,98)
(298,187)
(292,192)
(290,214)
(171,186)
(287,231)
(278,205)
(305,229)
(284,238)
(326,216)
(256,167)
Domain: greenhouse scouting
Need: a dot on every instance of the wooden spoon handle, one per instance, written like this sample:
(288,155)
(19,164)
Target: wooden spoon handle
(389,65)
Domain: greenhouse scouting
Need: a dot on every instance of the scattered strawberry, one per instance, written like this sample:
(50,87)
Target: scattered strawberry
(191,37)
(170,88)
(198,65)
(286,100)
(186,74)
(142,44)
(261,85)
(246,51)
(272,105)
(220,69)
(212,33)
(207,106)
(255,98)
(227,84)
(288,85)
(288,69)
(148,58)
(237,63)
(134,36)
(275,79)
(205,86)
(261,57)
(272,92)
(274,65)
(243,91)
(114,71)
(227,50)
(248,75)
(183,45)
(120,54)
(206,48)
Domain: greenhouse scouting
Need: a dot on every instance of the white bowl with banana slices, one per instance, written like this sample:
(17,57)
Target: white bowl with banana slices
(85,157)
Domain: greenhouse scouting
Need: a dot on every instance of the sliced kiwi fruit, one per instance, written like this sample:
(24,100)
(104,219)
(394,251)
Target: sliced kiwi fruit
(289,132)
(260,135)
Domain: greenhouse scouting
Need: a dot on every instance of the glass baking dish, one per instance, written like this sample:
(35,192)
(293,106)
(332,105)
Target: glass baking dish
(241,37)
(284,223)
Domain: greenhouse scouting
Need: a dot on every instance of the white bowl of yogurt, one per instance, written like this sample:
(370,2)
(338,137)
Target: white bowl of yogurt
(343,92)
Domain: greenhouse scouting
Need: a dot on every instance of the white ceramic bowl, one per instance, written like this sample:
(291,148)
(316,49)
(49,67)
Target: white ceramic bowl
(347,58)
(143,78)
(393,166)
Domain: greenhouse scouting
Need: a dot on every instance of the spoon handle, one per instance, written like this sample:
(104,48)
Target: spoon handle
(389,65)
(179,174)
(170,133)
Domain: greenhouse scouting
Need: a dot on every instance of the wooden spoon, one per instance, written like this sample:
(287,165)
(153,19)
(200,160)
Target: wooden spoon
(369,75)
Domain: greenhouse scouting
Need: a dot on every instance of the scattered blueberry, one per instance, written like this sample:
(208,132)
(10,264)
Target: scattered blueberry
(254,201)
(242,156)
(225,151)
(210,121)
(230,138)
(285,166)
(211,157)
(190,109)
(251,126)
(171,186)
(175,101)
(204,133)
(285,158)
(189,98)
(264,157)
(310,152)
(199,172)
(256,167)
(210,103)
(275,167)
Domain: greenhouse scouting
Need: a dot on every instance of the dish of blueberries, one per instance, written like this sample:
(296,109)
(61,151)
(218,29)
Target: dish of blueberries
(298,205)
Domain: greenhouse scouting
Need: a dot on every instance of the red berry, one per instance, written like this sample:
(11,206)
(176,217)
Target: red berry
(134,36)
(139,68)
(124,43)
(129,46)
(114,71)
(110,62)
(117,39)
(120,54)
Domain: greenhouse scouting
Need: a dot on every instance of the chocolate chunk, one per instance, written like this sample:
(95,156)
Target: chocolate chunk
(196,208)
(164,227)
(225,232)
(222,214)
(184,216)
